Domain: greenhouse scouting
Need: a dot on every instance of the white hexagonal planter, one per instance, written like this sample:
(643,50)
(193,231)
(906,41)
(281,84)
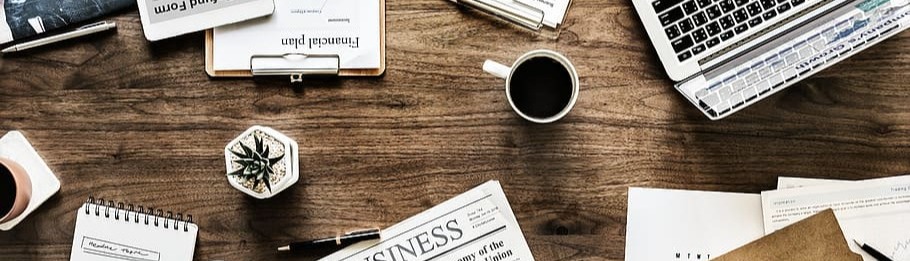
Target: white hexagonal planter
(260,155)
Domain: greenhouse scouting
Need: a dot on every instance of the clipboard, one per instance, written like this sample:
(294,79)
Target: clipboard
(298,65)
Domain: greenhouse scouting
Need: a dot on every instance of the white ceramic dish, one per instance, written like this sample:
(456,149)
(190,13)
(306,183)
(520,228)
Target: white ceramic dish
(45,184)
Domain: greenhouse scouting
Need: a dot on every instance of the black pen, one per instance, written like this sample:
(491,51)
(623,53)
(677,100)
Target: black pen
(338,242)
(874,253)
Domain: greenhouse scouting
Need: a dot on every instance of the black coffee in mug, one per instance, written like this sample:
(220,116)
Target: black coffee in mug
(541,87)
(7,190)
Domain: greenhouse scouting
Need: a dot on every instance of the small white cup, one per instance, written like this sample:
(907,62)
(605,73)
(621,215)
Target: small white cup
(506,72)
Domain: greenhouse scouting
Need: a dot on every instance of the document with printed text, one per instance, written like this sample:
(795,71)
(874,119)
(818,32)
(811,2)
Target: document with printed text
(794,182)
(870,211)
(348,28)
(664,224)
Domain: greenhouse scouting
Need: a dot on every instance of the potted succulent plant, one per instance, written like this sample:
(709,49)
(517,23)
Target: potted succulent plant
(261,162)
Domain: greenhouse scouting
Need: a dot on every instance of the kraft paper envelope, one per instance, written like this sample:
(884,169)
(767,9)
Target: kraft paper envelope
(818,237)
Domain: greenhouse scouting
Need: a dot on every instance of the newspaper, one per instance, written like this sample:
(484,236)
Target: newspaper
(477,225)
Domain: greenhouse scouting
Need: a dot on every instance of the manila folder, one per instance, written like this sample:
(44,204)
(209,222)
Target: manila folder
(818,237)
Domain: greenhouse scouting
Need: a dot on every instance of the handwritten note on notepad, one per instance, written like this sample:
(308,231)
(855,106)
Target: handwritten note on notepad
(104,232)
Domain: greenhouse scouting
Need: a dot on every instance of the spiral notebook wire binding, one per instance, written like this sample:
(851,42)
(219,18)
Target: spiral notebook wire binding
(140,214)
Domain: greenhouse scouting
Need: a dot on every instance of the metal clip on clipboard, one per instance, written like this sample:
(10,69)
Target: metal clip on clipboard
(511,10)
(295,65)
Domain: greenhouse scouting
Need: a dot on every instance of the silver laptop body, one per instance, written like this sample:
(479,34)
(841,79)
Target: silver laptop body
(728,54)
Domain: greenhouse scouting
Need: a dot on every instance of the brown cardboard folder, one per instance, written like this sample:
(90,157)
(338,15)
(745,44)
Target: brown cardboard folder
(209,57)
(818,237)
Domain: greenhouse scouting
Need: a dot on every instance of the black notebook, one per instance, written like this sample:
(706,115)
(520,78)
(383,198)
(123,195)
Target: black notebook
(26,18)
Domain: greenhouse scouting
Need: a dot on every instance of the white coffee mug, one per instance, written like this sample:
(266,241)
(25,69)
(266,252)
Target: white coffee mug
(506,73)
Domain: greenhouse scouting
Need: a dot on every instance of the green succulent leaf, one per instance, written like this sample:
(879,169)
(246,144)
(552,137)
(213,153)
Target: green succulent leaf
(245,161)
(246,150)
(258,142)
(274,160)
(238,154)
(237,172)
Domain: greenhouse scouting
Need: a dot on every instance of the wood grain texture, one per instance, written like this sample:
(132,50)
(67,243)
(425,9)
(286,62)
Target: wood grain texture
(118,117)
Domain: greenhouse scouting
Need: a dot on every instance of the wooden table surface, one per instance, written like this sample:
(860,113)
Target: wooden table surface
(118,117)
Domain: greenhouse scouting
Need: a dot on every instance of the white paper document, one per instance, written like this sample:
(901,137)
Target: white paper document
(475,226)
(689,225)
(348,28)
(794,182)
(876,212)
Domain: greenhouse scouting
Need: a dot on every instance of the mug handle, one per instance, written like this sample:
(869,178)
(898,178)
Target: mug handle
(497,69)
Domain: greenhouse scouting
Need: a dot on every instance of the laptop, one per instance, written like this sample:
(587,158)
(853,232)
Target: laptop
(725,55)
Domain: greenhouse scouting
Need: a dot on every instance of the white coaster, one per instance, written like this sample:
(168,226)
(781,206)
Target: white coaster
(14,146)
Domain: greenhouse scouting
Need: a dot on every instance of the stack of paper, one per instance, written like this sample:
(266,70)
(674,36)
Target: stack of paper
(695,225)
(875,212)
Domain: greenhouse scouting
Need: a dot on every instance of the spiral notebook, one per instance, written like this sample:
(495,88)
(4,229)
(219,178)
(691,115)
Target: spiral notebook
(105,231)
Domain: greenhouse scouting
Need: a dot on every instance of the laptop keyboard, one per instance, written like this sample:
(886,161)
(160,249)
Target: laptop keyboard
(797,59)
(694,26)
